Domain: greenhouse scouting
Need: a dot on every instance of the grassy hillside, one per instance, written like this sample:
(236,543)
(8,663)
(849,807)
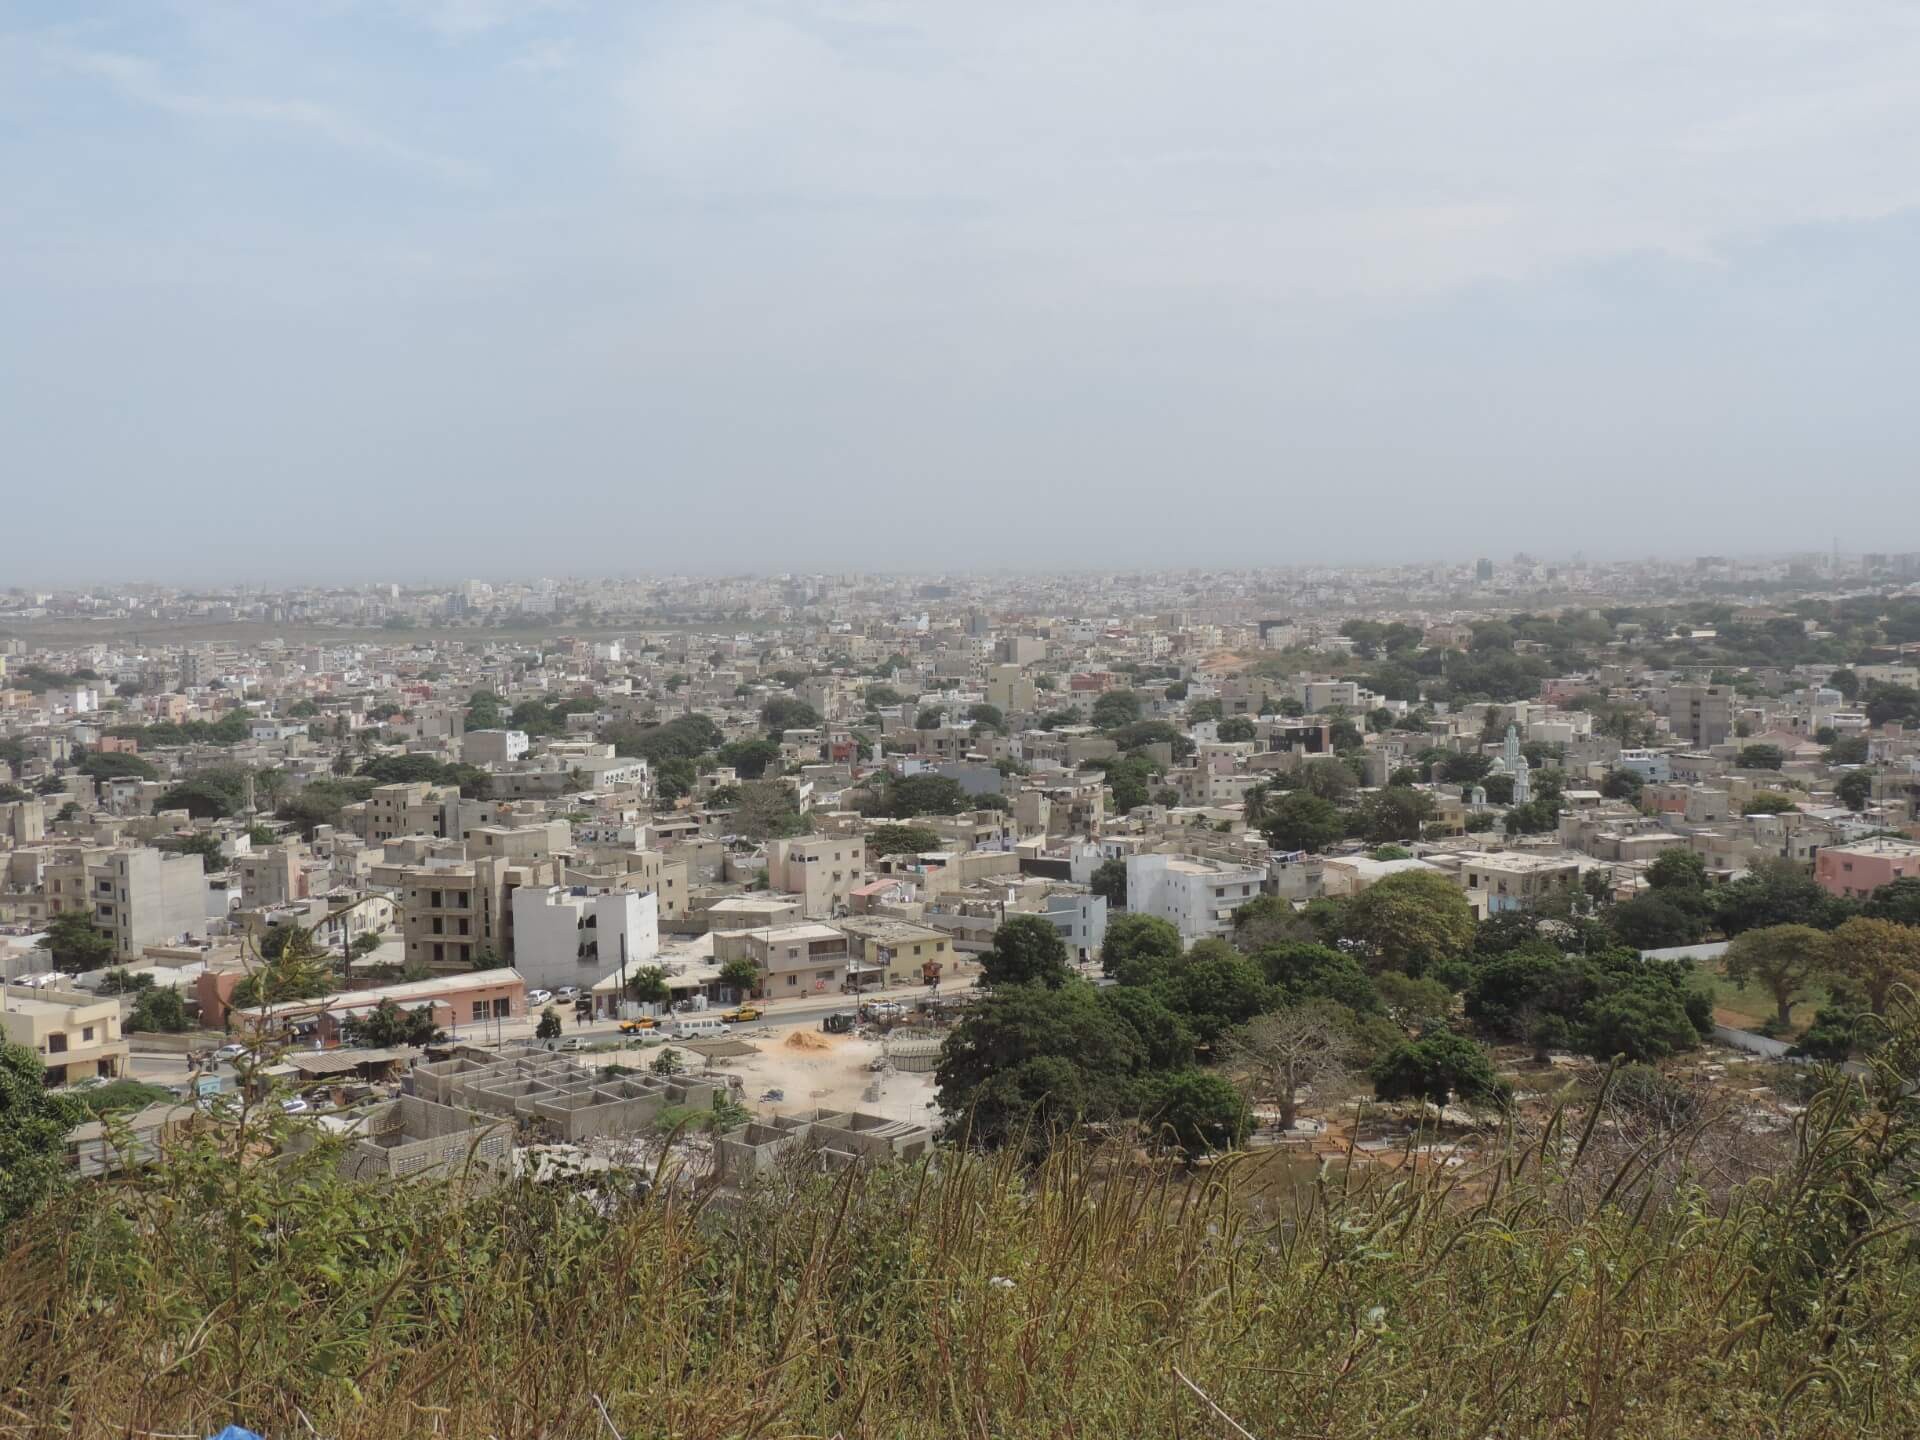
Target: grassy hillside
(1594,1283)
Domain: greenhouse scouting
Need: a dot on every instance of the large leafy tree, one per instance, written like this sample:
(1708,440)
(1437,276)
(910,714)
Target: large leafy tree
(1645,1020)
(1303,821)
(1396,813)
(1200,1110)
(1776,892)
(1783,960)
(1109,882)
(1138,946)
(1027,950)
(901,840)
(1213,988)
(387,1024)
(1411,921)
(74,945)
(1898,900)
(1030,1057)
(1301,972)
(34,1122)
(1437,1068)
(1874,956)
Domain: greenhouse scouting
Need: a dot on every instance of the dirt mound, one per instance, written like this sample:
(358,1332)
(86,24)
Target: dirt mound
(806,1040)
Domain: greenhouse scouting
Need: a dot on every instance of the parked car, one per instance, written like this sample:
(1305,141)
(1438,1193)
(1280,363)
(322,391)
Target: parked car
(536,998)
(741,1013)
(841,1022)
(639,1026)
(567,994)
(294,1105)
(227,1054)
(572,1042)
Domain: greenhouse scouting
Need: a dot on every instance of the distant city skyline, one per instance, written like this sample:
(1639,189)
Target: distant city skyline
(507,284)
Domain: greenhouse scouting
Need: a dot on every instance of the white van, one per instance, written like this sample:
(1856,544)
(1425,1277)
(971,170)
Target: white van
(696,1027)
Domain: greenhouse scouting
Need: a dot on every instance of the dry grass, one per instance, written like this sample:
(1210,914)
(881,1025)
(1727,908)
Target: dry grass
(1584,1285)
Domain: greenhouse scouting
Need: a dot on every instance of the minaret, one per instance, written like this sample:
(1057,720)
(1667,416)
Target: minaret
(1518,768)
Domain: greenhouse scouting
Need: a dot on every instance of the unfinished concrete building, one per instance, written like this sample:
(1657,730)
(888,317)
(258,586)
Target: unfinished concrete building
(564,1100)
(415,1139)
(833,1139)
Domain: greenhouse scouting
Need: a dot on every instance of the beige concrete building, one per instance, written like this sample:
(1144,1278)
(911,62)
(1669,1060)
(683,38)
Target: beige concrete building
(823,870)
(76,1036)
(803,959)
(136,897)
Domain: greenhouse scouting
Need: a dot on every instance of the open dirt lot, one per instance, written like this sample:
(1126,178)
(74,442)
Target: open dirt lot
(823,1072)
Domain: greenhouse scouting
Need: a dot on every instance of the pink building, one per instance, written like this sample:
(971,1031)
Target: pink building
(1864,866)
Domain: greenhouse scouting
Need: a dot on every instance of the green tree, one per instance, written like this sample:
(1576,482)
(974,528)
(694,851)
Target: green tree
(1782,960)
(1413,921)
(1623,785)
(1303,821)
(648,984)
(73,944)
(1109,882)
(1677,870)
(549,1026)
(1392,814)
(1875,956)
(1644,1020)
(1213,988)
(1030,1059)
(1138,945)
(1768,802)
(667,1062)
(158,1008)
(202,844)
(387,1025)
(1897,900)
(913,795)
(104,765)
(1328,778)
(1775,892)
(1302,972)
(1760,757)
(782,713)
(750,758)
(885,840)
(1538,816)
(987,715)
(1200,1111)
(1437,1068)
(1855,789)
(1236,729)
(742,974)
(1163,1035)
(1116,708)
(209,794)
(765,810)
(34,1122)
(1027,950)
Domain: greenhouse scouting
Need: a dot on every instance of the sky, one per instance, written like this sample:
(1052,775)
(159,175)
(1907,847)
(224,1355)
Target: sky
(358,288)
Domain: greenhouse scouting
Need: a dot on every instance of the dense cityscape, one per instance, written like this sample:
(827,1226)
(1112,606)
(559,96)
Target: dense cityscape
(703,887)
(880,721)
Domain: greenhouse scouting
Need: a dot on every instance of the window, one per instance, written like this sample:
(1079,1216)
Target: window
(57,1042)
(503,1007)
(793,979)
(433,899)
(86,1035)
(479,1010)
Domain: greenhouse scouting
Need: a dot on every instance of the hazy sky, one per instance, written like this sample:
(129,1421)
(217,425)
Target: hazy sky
(481,286)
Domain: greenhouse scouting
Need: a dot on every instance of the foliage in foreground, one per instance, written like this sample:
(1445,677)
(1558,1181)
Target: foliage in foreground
(1551,1294)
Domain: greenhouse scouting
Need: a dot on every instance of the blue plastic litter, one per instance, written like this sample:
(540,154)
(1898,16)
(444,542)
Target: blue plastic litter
(234,1432)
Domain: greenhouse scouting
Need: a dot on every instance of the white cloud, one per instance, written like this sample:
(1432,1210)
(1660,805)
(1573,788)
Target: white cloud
(141,81)
(1290,146)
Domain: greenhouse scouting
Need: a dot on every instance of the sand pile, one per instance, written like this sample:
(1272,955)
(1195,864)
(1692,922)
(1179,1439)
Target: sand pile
(806,1040)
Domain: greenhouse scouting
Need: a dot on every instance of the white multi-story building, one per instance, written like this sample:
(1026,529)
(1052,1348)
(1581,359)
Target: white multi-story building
(570,936)
(1197,897)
